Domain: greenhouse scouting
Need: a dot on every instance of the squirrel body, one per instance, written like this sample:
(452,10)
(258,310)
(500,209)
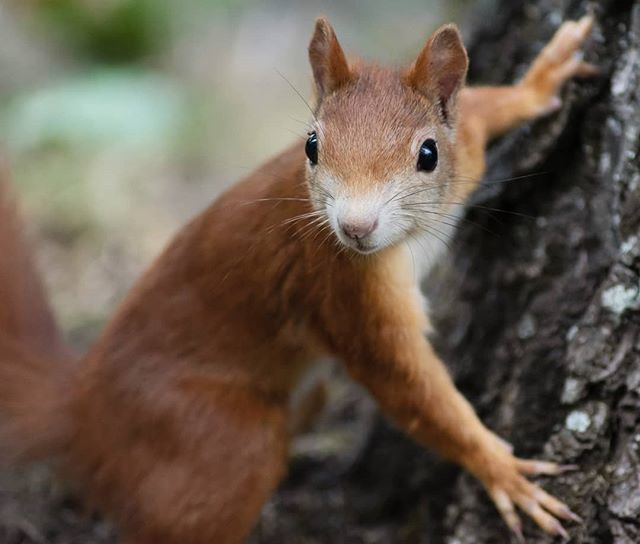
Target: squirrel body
(176,422)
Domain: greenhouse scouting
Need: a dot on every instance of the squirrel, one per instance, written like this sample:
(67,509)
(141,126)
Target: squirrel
(175,423)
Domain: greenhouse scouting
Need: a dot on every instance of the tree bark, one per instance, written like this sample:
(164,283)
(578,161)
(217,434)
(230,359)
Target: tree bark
(537,313)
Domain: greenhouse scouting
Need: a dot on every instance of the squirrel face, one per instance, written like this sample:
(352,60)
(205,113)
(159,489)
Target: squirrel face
(381,151)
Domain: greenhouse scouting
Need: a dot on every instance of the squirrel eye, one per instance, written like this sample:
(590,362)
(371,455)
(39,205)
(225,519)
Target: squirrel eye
(311,148)
(428,156)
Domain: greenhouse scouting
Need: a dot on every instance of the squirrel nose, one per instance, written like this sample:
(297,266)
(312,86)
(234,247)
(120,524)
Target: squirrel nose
(358,229)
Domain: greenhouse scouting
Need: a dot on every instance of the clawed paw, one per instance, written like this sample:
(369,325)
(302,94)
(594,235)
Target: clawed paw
(559,61)
(511,489)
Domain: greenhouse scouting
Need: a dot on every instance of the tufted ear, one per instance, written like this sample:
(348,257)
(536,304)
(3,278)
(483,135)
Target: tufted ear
(440,69)
(329,65)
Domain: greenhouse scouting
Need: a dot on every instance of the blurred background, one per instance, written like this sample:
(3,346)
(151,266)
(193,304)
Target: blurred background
(123,118)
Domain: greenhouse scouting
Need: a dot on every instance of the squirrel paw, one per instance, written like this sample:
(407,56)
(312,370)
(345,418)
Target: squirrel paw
(559,61)
(508,487)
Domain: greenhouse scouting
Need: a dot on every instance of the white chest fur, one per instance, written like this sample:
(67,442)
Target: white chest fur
(428,247)
(425,251)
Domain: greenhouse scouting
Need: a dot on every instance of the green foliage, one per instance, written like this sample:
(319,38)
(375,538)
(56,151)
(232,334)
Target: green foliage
(112,31)
(101,108)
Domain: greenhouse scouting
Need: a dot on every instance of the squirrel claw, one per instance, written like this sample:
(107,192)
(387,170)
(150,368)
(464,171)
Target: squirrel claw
(504,504)
(519,536)
(588,69)
(560,60)
(533,468)
(510,488)
(568,514)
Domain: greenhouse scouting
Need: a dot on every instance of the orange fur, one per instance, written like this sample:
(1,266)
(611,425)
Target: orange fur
(33,357)
(24,313)
(178,416)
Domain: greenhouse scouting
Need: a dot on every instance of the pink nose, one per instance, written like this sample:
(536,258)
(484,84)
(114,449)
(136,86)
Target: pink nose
(358,229)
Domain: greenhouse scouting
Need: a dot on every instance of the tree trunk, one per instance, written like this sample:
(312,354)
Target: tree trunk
(537,313)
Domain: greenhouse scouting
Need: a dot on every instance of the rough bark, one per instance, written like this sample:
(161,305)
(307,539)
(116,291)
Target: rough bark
(537,313)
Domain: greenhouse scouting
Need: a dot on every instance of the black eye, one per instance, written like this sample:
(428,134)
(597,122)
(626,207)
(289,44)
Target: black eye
(428,156)
(311,148)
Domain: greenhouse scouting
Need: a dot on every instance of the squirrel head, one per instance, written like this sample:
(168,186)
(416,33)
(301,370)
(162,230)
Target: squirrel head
(380,155)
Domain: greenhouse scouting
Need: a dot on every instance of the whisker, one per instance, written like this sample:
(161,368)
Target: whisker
(427,251)
(438,234)
(452,225)
(413,257)
(323,192)
(301,217)
(313,227)
(323,227)
(305,123)
(430,250)
(296,134)
(324,240)
(477,206)
(290,220)
(454,218)
(462,180)
(399,194)
(313,113)
(261,172)
(284,199)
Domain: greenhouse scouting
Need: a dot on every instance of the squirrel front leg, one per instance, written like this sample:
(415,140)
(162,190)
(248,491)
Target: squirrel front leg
(488,112)
(383,348)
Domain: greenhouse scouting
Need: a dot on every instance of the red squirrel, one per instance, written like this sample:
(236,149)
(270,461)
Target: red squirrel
(176,422)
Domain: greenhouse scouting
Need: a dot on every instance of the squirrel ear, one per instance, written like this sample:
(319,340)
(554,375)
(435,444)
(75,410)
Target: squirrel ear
(329,65)
(440,69)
